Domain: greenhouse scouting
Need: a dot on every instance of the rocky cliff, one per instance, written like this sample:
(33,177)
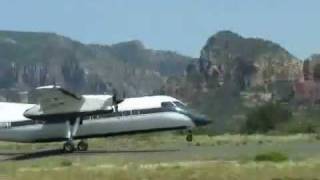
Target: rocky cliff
(249,61)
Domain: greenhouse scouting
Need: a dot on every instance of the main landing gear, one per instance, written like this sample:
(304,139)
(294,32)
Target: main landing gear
(70,146)
(82,146)
(71,131)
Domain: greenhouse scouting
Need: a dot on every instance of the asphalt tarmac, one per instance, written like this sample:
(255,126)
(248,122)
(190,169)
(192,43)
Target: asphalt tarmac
(18,156)
(179,152)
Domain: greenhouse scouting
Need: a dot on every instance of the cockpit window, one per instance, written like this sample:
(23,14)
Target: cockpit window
(167,105)
(180,105)
(175,105)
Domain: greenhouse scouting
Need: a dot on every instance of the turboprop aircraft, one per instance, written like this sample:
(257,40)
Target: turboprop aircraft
(65,116)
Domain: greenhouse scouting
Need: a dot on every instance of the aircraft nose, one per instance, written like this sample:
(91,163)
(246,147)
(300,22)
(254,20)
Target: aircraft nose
(200,120)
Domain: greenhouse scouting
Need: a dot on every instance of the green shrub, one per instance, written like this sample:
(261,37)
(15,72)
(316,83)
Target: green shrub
(271,156)
(305,121)
(295,127)
(265,118)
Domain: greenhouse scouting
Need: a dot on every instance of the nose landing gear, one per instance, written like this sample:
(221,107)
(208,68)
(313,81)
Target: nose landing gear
(189,137)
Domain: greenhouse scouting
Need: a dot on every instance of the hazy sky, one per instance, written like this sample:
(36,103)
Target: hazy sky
(179,25)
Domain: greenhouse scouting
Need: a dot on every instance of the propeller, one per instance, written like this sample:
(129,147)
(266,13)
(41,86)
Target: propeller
(116,100)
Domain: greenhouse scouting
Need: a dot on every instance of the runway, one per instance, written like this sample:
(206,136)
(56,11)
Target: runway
(18,156)
(146,156)
(125,152)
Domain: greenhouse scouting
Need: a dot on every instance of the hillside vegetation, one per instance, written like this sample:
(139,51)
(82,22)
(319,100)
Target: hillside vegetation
(30,59)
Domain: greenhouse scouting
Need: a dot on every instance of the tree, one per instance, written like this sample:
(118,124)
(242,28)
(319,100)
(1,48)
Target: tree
(7,76)
(194,76)
(266,117)
(316,72)
(73,74)
(306,69)
(213,82)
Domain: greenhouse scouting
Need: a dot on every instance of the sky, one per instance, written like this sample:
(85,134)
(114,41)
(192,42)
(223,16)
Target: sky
(178,25)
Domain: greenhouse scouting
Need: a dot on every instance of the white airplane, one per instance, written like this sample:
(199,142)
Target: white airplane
(64,116)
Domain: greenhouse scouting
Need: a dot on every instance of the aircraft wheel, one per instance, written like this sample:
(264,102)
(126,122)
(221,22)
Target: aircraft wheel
(189,137)
(68,147)
(82,146)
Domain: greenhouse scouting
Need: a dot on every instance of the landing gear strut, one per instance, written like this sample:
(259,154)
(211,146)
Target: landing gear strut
(189,136)
(71,131)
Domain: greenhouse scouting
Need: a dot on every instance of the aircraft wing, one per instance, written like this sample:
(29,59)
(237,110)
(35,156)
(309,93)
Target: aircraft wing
(56,103)
(56,98)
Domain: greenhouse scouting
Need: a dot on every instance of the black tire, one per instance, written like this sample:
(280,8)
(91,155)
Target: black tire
(68,147)
(82,146)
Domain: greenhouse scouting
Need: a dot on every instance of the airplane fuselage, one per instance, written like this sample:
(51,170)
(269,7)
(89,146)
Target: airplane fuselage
(133,115)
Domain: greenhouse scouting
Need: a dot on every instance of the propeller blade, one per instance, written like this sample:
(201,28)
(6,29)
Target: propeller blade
(115,99)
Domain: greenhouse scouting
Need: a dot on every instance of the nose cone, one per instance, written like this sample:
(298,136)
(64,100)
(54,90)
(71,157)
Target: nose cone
(200,120)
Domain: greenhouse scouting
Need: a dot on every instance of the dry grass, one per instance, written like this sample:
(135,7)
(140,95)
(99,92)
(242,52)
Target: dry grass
(184,170)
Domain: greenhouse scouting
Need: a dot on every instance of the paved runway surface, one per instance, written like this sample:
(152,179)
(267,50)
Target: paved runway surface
(188,152)
(16,156)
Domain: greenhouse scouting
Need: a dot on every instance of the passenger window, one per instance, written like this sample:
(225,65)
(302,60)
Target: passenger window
(126,113)
(135,112)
